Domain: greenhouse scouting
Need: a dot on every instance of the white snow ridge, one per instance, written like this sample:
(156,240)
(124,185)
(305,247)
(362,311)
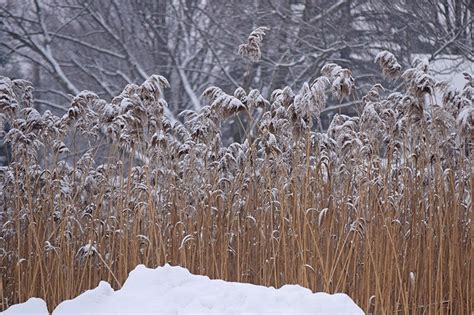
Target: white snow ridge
(174,290)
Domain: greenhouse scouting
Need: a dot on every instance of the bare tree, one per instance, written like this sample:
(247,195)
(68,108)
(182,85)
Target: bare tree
(100,46)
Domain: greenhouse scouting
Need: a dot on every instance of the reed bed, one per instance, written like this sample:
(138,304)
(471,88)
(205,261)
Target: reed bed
(379,206)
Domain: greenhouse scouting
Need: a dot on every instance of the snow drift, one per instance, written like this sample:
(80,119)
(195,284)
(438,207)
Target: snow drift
(168,289)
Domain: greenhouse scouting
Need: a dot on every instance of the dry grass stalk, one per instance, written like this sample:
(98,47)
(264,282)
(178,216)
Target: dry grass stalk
(379,207)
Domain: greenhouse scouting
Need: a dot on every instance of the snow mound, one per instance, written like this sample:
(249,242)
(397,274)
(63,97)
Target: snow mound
(33,306)
(174,290)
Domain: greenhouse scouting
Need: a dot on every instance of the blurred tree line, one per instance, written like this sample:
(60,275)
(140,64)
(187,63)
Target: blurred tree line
(65,46)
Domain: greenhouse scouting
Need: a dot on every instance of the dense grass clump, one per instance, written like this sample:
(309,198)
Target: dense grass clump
(379,206)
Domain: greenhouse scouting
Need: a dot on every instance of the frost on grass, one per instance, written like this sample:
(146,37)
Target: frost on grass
(390,66)
(251,49)
(173,189)
(341,79)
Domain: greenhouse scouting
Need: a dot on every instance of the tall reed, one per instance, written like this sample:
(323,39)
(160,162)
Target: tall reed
(378,207)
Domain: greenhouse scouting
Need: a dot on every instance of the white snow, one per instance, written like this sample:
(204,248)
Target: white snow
(34,306)
(174,290)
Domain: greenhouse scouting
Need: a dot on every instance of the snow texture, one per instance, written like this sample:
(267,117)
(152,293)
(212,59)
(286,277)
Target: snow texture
(174,290)
(34,306)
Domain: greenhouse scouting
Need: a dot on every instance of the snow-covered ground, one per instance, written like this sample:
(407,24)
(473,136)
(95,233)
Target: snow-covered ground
(174,290)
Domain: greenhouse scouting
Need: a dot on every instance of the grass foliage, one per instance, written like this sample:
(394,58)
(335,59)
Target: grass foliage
(379,206)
